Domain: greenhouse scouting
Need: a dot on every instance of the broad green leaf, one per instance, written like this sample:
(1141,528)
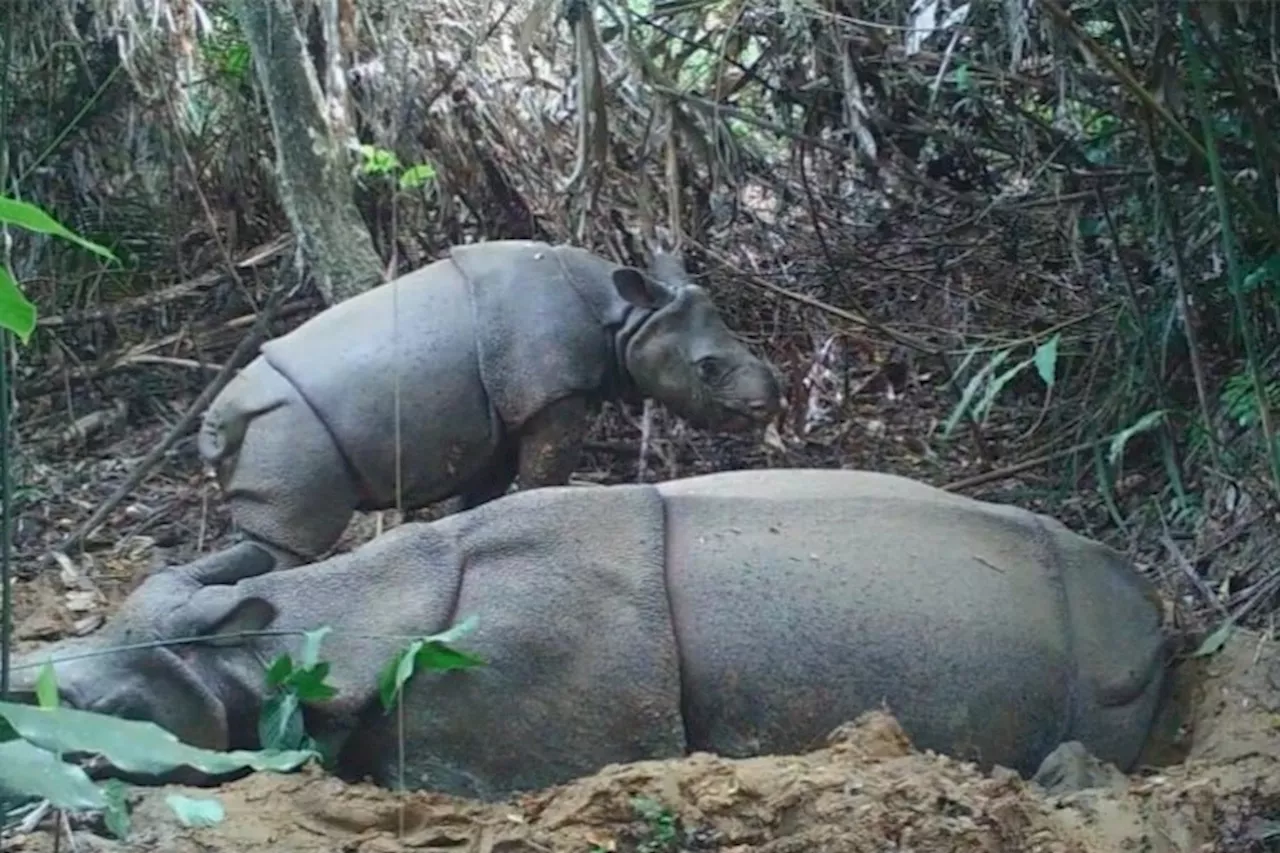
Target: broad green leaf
(29,771)
(134,746)
(34,219)
(435,655)
(1047,359)
(193,812)
(394,675)
(47,686)
(116,813)
(311,645)
(280,726)
(280,670)
(429,653)
(17,314)
(309,683)
(416,176)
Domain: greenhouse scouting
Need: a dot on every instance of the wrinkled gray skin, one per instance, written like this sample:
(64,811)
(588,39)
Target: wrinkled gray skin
(741,613)
(501,351)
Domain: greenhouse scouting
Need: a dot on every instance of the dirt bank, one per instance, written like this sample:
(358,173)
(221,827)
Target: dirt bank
(867,790)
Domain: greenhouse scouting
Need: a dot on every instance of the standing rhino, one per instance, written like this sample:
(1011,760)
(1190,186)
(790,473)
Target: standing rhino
(740,613)
(499,352)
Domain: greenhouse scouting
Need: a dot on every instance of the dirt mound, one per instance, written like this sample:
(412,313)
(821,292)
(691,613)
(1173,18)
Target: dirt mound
(867,789)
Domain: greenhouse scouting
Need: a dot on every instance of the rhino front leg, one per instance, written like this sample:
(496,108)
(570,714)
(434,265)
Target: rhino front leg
(551,443)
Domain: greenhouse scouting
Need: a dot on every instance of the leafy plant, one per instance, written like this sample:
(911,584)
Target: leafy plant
(662,834)
(34,739)
(1045,359)
(425,653)
(17,313)
(281,724)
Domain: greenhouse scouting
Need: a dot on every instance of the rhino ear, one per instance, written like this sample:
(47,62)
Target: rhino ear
(247,614)
(638,289)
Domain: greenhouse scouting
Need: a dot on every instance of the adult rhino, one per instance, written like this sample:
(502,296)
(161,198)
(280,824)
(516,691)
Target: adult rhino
(499,351)
(740,613)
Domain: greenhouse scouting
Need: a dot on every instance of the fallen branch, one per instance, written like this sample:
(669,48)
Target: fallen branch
(247,345)
(1018,467)
(261,254)
(140,354)
(83,427)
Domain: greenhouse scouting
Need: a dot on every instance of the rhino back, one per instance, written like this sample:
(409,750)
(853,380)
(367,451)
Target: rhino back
(542,319)
(344,362)
(802,598)
(566,584)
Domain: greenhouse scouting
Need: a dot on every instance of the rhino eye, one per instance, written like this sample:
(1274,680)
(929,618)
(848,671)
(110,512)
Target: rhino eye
(709,368)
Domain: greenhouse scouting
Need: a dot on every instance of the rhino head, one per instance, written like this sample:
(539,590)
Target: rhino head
(684,356)
(208,697)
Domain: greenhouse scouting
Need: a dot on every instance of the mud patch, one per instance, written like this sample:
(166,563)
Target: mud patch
(866,790)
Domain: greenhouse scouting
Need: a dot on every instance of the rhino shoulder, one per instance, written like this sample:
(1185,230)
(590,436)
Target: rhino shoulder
(541,316)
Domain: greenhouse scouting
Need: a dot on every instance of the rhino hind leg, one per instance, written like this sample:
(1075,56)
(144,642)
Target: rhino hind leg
(290,489)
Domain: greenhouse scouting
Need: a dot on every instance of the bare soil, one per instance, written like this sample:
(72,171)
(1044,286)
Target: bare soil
(867,790)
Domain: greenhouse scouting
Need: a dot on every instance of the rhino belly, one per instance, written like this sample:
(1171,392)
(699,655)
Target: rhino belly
(794,615)
(355,360)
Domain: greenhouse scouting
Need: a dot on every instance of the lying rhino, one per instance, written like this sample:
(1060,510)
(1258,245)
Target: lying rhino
(500,351)
(740,613)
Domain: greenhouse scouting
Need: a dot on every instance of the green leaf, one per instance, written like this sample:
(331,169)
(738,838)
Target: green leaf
(435,655)
(116,812)
(429,653)
(416,176)
(280,670)
(17,314)
(309,683)
(971,388)
(1047,359)
(983,409)
(1120,439)
(1215,641)
(29,771)
(311,645)
(134,746)
(394,675)
(193,812)
(281,725)
(34,219)
(47,686)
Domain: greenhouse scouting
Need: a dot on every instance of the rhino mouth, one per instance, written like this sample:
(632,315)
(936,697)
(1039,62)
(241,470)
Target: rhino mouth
(734,418)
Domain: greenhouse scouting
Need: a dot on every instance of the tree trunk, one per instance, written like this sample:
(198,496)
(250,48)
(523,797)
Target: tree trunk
(315,184)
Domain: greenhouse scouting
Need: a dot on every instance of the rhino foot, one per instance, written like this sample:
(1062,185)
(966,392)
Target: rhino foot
(1071,768)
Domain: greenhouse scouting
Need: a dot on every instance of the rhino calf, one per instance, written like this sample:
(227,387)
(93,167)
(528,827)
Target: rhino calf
(490,360)
(741,613)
